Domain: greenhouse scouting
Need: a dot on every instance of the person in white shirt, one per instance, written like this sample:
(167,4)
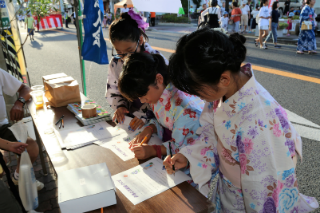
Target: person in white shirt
(264,19)
(245,10)
(213,15)
(125,9)
(224,21)
(10,85)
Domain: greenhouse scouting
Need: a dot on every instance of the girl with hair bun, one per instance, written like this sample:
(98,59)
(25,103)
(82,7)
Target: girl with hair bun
(127,35)
(145,77)
(245,158)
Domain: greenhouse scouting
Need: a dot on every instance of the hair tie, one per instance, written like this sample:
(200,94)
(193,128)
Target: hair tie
(141,23)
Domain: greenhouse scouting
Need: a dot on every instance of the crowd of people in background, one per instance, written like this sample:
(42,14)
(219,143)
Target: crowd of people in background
(247,17)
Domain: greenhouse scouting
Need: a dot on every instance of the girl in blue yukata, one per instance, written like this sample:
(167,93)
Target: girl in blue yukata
(127,35)
(145,77)
(245,158)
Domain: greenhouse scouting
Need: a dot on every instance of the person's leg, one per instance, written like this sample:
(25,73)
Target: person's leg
(33,151)
(274,33)
(269,35)
(236,26)
(260,37)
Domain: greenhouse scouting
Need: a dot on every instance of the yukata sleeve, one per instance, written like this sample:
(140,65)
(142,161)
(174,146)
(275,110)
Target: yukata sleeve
(159,127)
(113,95)
(184,128)
(203,158)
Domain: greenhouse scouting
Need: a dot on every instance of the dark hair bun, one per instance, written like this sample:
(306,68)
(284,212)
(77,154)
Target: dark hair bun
(126,17)
(125,28)
(202,56)
(238,44)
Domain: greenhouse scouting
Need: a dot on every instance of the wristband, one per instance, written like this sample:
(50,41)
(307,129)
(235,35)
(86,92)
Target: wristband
(158,150)
(151,129)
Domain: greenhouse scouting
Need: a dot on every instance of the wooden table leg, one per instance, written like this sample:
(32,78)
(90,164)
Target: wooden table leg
(44,168)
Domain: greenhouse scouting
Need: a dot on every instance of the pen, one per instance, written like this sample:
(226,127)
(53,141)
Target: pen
(144,140)
(173,168)
(62,123)
(60,119)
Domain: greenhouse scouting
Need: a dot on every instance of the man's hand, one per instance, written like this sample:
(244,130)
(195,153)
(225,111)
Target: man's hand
(144,152)
(17,147)
(17,111)
(178,160)
(136,123)
(119,114)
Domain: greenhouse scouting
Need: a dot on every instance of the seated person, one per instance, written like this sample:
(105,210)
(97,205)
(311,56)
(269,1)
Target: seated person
(10,86)
(145,77)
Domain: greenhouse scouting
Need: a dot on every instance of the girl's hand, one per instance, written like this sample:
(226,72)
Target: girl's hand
(136,123)
(17,147)
(178,160)
(119,114)
(139,138)
(144,152)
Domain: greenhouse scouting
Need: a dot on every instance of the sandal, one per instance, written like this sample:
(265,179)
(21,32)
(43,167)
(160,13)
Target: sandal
(312,52)
(299,52)
(256,43)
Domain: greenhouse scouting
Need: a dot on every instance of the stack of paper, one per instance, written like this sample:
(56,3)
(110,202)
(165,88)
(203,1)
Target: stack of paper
(102,115)
(147,180)
(82,136)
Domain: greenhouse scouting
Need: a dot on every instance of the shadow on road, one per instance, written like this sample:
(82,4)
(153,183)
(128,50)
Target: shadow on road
(35,44)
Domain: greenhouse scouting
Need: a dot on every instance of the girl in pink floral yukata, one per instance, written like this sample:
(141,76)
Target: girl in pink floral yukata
(144,76)
(245,158)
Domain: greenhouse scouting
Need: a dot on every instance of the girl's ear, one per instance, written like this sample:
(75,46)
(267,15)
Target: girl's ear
(141,40)
(225,79)
(159,79)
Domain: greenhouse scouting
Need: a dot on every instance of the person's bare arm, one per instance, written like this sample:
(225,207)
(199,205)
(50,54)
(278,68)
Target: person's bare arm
(17,111)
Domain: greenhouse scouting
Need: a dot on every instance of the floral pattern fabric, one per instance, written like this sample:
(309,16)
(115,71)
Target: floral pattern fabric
(307,38)
(180,113)
(255,131)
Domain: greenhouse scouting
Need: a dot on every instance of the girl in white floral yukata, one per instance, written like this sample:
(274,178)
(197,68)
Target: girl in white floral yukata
(144,76)
(127,36)
(245,158)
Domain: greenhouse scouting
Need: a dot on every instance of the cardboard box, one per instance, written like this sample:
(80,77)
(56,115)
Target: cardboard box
(53,76)
(86,189)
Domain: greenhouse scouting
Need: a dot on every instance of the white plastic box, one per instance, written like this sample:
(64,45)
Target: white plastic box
(86,189)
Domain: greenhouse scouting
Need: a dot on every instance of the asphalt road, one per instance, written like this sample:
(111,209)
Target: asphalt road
(57,51)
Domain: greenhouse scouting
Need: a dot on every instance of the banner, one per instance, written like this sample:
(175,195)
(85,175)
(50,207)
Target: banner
(94,47)
(163,6)
(48,22)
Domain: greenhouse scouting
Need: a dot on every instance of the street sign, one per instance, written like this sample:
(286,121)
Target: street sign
(163,6)
(5,21)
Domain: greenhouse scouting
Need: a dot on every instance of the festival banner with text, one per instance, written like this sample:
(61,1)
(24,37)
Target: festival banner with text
(94,47)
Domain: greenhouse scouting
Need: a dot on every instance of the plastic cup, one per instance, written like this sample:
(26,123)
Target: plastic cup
(37,97)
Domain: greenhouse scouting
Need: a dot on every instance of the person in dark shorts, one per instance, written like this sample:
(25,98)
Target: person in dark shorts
(29,23)
(10,85)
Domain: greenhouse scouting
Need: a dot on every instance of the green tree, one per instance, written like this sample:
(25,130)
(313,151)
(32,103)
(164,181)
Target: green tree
(197,3)
(40,8)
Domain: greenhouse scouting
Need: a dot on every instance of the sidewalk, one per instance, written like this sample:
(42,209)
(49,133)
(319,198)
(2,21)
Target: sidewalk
(48,196)
(189,28)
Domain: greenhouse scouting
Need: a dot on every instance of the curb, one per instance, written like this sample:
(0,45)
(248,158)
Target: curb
(176,24)
(282,40)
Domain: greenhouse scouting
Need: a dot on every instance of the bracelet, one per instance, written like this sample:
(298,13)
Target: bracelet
(158,150)
(151,129)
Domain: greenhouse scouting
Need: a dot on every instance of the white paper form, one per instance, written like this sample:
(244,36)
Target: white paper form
(147,180)
(75,138)
(120,145)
